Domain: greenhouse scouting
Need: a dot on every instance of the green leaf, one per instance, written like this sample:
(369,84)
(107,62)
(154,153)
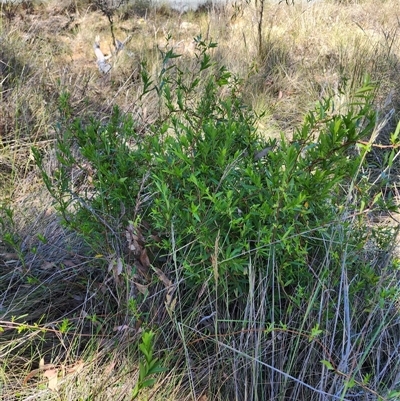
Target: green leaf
(142,371)
(148,383)
(156,369)
(350,383)
(327,364)
(135,391)
(391,157)
(395,135)
(145,351)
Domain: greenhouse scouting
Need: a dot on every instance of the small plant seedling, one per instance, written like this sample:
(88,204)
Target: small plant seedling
(148,366)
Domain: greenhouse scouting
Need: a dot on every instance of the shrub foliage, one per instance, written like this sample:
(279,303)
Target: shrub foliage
(212,198)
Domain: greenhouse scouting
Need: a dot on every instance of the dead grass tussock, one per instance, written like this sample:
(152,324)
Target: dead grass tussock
(47,278)
(100,371)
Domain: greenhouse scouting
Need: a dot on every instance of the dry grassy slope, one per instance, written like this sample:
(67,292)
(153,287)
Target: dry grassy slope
(310,50)
(47,49)
(323,44)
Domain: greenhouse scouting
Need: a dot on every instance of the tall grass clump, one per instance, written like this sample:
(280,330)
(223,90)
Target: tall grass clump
(252,259)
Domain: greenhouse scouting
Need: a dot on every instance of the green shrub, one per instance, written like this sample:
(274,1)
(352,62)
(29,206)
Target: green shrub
(274,229)
(211,188)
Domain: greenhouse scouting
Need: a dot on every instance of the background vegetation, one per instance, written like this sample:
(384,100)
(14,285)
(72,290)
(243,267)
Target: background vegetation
(215,218)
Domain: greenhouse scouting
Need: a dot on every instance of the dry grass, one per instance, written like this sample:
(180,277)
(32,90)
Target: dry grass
(46,272)
(310,51)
